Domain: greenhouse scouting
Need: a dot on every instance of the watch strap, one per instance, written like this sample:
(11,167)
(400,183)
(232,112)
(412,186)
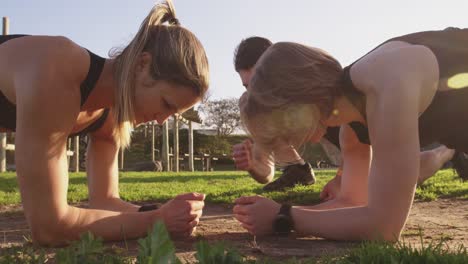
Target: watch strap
(148,207)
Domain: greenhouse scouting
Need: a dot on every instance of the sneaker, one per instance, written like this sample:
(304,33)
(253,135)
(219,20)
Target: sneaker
(460,164)
(292,175)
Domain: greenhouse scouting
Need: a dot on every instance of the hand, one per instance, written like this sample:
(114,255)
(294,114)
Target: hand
(331,189)
(242,154)
(182,214)
(256,214)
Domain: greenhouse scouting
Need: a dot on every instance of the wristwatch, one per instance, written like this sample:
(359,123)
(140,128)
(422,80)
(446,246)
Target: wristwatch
(283,223)
(148,207)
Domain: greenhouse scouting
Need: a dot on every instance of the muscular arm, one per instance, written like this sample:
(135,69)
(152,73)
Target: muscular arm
(353,181)
(103,174)
(47,106)
(392,116)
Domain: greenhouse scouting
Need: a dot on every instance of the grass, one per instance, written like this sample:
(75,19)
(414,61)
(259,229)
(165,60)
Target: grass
(222,187)
(445,184)
(158,248)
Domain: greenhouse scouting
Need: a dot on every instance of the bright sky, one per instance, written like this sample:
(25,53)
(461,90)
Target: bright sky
(346,29)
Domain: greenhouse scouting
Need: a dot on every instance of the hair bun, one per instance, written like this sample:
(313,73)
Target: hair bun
(174,21)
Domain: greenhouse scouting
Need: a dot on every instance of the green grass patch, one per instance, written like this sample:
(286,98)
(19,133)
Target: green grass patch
(222,187)
(158,248)
(433,253)
(445,184)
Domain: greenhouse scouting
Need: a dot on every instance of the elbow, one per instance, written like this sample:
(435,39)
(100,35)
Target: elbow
(388,234)
(384,229)
(52,231)
(391,232)
(48,235)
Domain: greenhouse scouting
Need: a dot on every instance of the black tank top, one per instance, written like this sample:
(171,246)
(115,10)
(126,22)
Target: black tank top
(8,109)
(446,119)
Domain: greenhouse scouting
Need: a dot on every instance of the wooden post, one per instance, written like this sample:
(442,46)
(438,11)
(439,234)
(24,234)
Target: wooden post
(69,152)
(176,143)
(165,146)
(122,157)
(208,163)
(3,144)
(76,155)
(6,26)
(203,161)
(190,142)
(3,136)
(153,136)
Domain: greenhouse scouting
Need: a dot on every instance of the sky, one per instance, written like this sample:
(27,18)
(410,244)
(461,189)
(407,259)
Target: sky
(346,29)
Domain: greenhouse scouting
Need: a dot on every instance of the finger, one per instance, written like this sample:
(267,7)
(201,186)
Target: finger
(242,161)
(190,196)
(248,143)
(247,199)
(239,155)
(247,227)
(238,147)
(323,194)
(240,209)
(194,223)
(196,205)
(243,166)
(195,215)
(244,219)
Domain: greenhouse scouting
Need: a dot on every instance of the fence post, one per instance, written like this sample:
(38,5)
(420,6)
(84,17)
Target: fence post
(3,136)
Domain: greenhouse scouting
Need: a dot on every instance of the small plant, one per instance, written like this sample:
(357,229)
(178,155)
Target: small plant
(88,250)
(217,254)
(157,247)
(22,255)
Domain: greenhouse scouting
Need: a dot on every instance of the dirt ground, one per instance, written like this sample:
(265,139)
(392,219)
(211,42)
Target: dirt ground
(446,219)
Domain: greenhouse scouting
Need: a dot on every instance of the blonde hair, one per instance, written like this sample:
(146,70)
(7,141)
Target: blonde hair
(177,57)
(292,88)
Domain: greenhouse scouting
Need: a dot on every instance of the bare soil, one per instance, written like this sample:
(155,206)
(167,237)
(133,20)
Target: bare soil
(443,219)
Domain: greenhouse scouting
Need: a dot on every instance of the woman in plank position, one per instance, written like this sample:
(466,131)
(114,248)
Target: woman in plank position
(51,88)
(399,92)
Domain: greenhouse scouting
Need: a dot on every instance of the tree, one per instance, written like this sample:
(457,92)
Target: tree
(223,114)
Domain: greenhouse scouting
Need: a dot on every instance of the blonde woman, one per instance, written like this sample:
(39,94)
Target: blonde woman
(399,91)
(51,88)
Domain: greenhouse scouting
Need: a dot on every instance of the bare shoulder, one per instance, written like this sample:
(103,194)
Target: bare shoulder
(54,57)
(395,62)
(49,67)
(48,74)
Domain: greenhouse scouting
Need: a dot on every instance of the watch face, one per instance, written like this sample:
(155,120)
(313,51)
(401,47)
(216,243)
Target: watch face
(282,224)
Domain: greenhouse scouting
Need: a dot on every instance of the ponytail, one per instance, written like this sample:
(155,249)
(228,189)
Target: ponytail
(124,115)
